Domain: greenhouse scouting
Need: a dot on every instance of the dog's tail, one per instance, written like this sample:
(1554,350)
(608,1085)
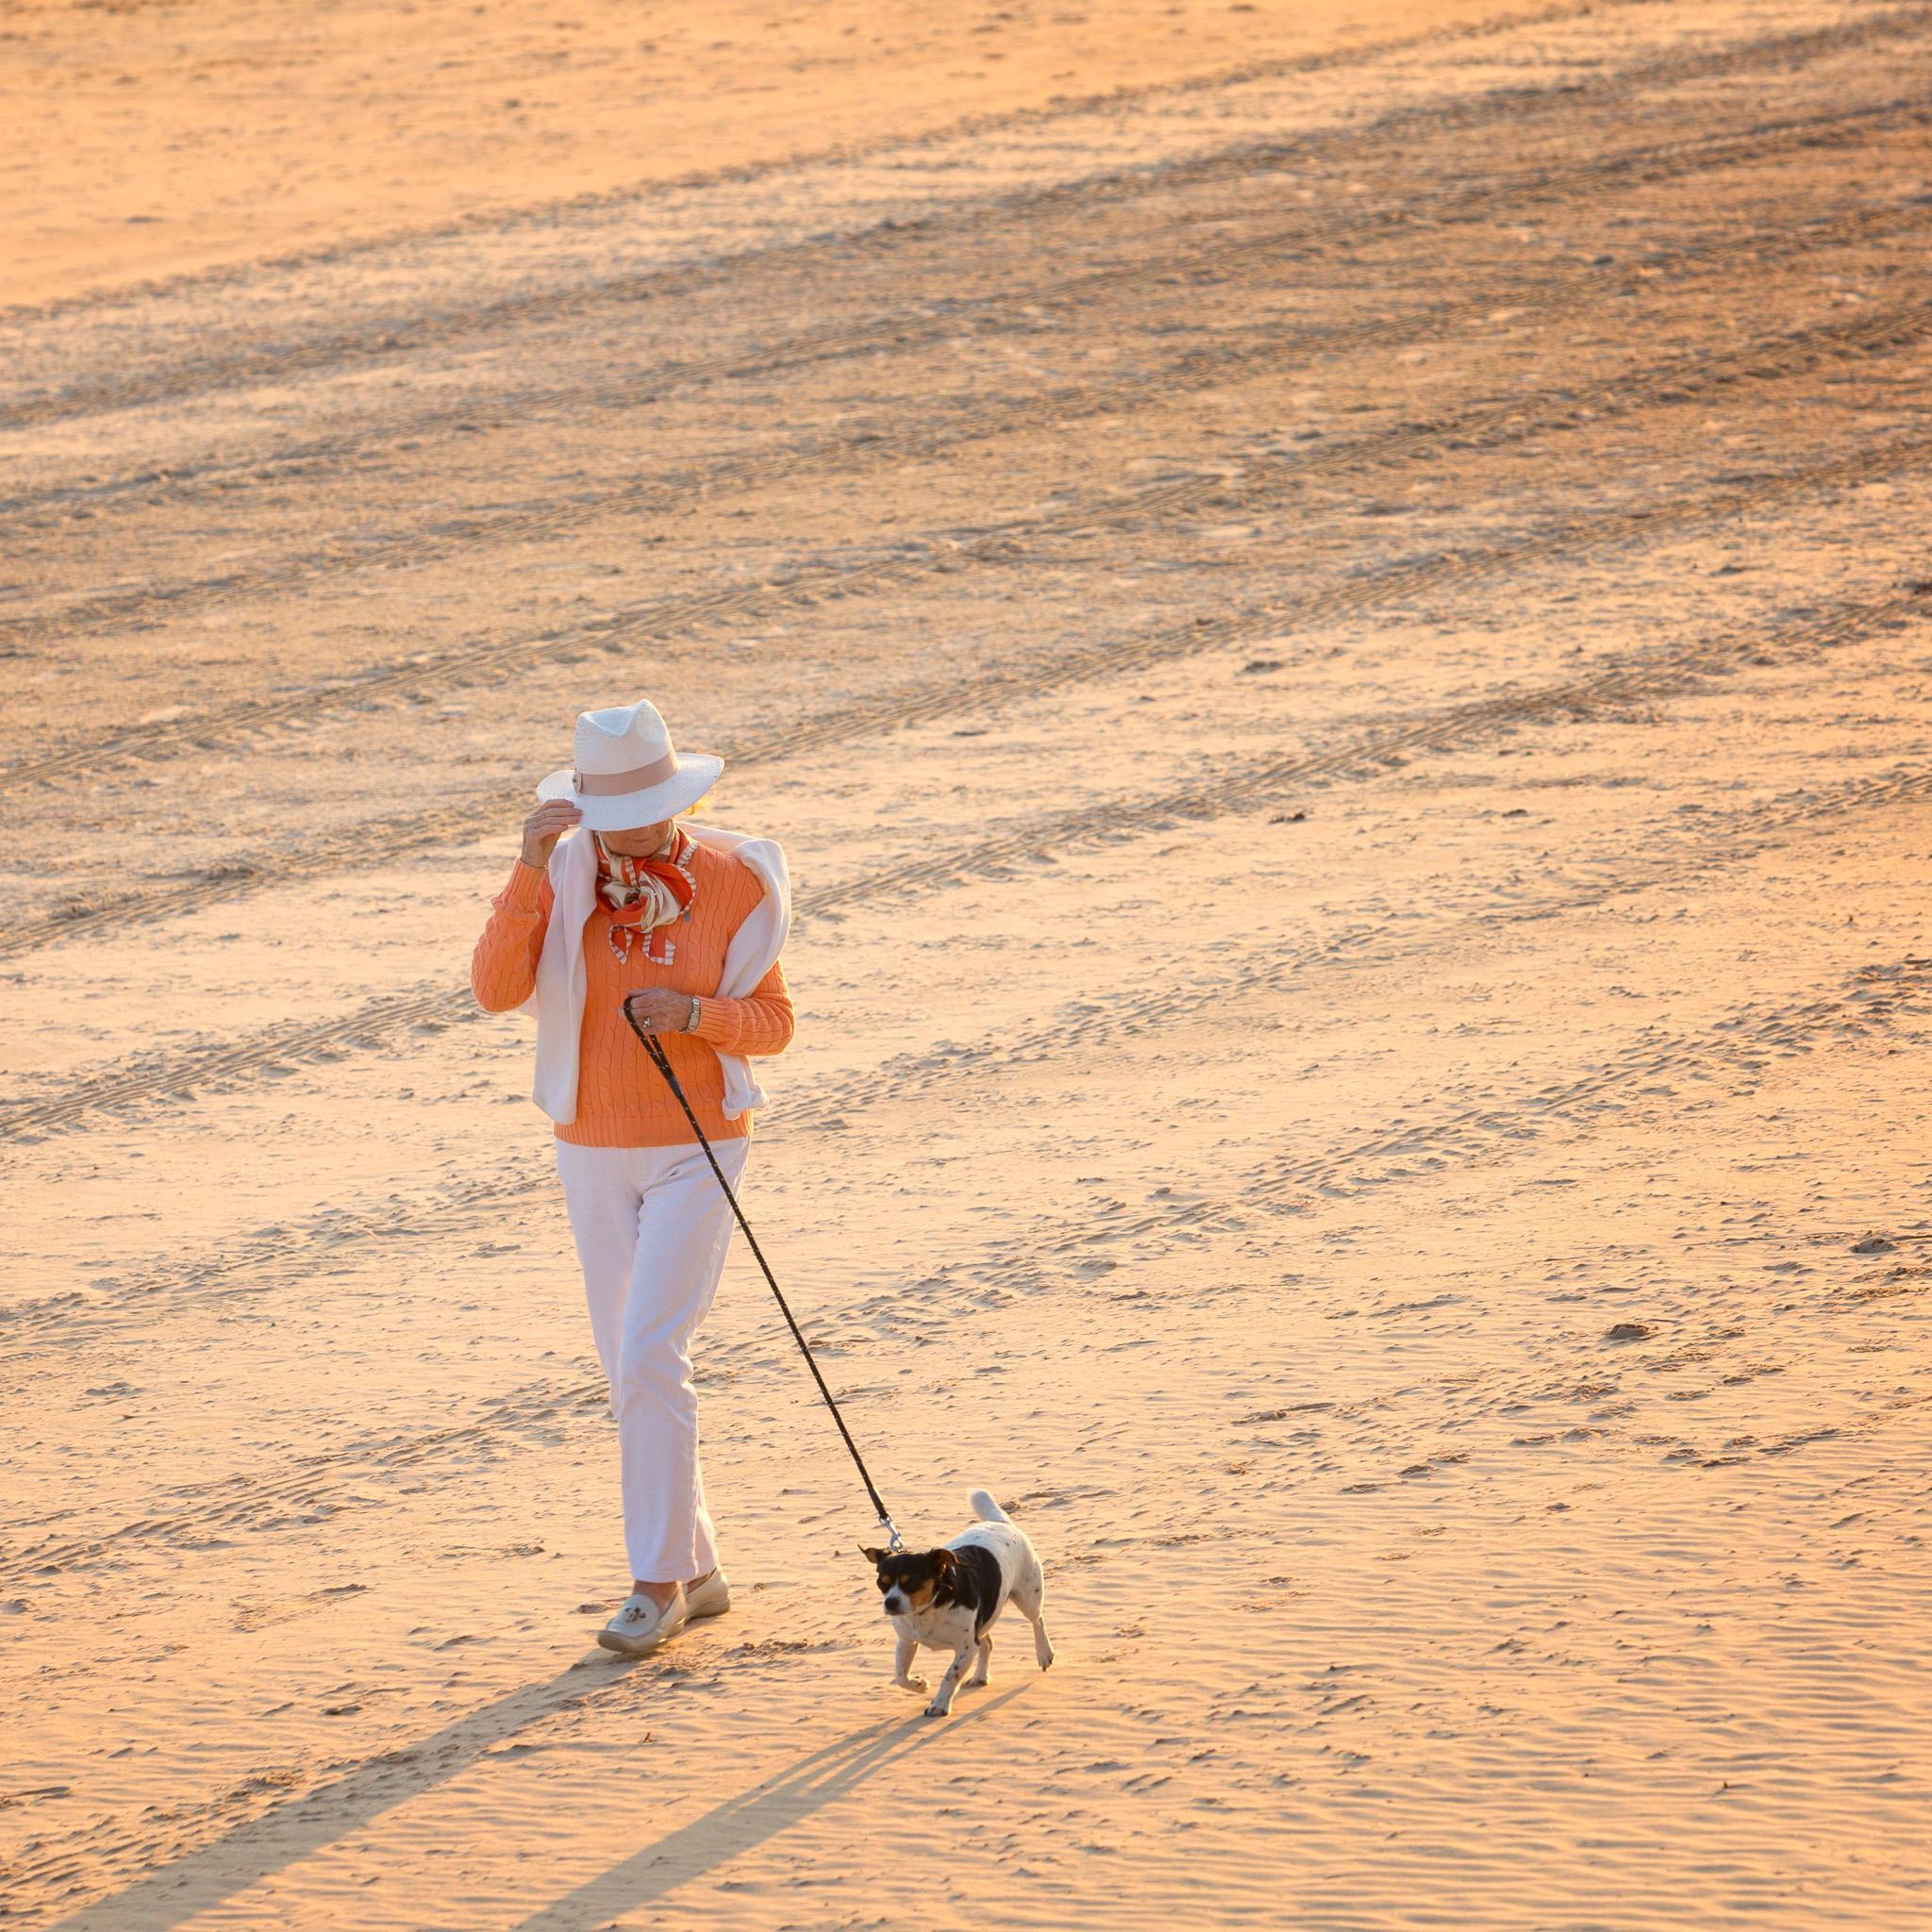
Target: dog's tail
(985,1508)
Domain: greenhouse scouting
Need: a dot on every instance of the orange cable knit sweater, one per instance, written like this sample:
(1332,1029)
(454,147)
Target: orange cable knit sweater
(622,1099)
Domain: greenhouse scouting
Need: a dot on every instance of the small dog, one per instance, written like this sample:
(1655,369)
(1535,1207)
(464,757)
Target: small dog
(947,1599)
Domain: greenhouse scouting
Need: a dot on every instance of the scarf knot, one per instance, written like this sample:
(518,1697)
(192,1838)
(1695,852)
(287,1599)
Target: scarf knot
(643,894)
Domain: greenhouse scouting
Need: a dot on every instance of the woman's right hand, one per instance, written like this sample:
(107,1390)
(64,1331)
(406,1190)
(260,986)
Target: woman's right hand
(545,827)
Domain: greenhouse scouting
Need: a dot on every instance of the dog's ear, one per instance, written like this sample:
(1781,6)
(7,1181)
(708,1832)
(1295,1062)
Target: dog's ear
(873,1556)
(945,1563)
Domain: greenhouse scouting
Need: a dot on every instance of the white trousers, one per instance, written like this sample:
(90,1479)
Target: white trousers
(651,1226)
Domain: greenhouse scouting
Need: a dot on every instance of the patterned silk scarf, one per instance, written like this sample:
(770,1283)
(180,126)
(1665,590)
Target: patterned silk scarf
(647,893)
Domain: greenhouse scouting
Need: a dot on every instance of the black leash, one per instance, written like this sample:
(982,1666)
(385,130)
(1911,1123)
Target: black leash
(654,1048)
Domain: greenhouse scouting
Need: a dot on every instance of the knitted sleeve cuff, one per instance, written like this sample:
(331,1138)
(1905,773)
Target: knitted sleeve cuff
(524,891)
(761,1024)
(718,1022)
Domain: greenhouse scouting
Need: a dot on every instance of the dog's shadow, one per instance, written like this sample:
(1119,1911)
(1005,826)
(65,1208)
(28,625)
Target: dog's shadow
(740,1824)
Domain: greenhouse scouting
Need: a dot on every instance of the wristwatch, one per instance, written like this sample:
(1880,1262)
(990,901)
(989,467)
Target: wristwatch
(691,1025)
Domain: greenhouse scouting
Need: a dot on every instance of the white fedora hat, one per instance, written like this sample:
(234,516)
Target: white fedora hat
(627,773)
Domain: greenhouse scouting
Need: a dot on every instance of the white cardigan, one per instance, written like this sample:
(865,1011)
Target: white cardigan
(558,1001)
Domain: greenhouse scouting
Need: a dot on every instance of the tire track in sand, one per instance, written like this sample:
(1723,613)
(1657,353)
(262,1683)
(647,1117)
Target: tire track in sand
(311,1489)
(869,449)
(1719,844)
(1395,133)
(1877,994)
(1487,425)
(184,1077)
(1492,426)
(547,213)
(1449,203)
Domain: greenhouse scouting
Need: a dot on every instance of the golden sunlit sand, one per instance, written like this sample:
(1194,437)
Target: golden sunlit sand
(1330,606)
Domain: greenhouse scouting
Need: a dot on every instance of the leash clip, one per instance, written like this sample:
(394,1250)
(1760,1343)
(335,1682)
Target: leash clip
(894,1542)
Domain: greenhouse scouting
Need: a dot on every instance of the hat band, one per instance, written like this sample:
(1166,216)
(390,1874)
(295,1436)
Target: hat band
(614,784)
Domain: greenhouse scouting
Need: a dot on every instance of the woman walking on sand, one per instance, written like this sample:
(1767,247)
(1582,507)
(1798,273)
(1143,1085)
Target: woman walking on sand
(686,922)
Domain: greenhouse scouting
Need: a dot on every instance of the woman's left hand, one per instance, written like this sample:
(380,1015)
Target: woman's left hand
(658,1010)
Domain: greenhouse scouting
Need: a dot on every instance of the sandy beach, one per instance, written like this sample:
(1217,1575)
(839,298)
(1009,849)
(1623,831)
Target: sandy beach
(1331,607)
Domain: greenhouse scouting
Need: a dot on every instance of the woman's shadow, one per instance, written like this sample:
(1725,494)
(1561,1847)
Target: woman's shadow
(168,1895)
